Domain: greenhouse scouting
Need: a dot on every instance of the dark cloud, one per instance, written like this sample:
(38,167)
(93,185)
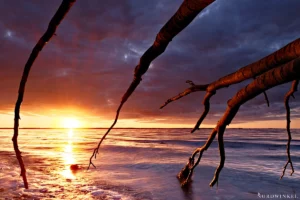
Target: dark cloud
(89,64)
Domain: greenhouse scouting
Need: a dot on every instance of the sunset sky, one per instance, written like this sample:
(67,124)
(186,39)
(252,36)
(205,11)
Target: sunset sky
(83,72)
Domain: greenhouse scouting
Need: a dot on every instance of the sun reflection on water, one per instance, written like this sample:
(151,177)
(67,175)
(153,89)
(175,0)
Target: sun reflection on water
(68,157)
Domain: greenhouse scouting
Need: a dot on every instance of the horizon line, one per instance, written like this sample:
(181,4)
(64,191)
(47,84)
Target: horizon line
(137,128)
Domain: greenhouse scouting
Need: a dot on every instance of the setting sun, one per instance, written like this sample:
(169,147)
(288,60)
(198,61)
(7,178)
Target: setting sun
(70,123)
(100,121)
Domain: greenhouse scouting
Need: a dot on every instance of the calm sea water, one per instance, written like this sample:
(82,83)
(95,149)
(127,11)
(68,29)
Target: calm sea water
(143,163)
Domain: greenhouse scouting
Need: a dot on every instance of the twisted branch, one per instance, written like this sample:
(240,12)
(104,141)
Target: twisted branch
(287,53)
(186,13)
(288,123)
(269,79)
(186,173)
(55,21)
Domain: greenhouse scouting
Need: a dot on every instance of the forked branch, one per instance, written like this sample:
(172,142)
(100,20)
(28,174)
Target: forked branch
(55,21)
(269,79)
(288,123)
(289,52)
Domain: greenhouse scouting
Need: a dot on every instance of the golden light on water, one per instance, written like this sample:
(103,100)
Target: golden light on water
(68,157)
(70,133)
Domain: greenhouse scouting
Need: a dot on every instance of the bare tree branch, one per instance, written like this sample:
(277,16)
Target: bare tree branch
(186,172)
(266,96)
(96,150)
(206,104)
(287,53)
(282,56)
(222,156)
(288,123)
(267,99)
(269,79)
(55,21)
(187,91)
(188,10)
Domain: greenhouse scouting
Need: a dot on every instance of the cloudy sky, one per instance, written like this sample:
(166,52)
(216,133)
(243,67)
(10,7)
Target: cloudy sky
(83,72)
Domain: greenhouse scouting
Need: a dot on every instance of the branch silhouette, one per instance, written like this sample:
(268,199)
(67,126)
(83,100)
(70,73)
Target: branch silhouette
(284,55)
(188,10)
(55,21)
(277,76)
(288,123)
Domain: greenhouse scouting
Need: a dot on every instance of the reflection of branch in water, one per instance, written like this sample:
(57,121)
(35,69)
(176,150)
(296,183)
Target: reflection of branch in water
(188,191)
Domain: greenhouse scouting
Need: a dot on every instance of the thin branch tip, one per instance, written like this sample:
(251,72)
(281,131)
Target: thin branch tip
(289,94)
(190,82)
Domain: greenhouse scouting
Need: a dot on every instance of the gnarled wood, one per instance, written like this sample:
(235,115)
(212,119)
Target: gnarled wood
(285,54)
(269,79)
(55,21)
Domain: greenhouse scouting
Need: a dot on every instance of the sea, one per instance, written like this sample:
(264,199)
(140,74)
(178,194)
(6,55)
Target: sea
(142,164)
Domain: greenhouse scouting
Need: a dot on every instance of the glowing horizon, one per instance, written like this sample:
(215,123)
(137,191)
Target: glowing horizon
(86,121)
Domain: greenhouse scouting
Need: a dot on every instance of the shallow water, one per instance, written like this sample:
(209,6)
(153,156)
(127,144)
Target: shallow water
(143,163)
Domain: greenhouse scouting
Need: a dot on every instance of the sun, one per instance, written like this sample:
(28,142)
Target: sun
(70,123)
